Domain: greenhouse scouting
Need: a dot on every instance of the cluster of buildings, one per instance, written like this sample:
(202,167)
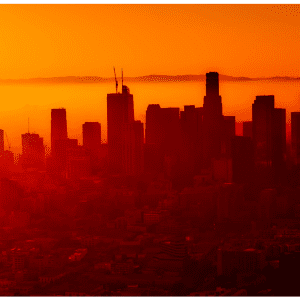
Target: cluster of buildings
(180,207)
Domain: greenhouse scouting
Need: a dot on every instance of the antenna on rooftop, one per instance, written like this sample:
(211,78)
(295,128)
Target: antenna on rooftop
(116,81)
(28,125)
(122,78)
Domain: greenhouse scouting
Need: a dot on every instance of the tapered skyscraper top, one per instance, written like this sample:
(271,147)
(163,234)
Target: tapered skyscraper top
(212,84)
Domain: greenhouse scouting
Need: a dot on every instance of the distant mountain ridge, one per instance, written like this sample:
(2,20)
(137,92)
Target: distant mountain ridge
(148,78)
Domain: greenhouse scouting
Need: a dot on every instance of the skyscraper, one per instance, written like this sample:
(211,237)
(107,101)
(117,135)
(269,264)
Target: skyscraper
(119,111)
(133,148)
(1,142)
(295,120)
(153,138)
(228,135)
(279,138)
(58,126)
(262,121)
(33,151)
(212,119)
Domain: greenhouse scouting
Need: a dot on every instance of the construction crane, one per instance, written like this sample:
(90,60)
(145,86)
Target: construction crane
(7,141)
(116,81)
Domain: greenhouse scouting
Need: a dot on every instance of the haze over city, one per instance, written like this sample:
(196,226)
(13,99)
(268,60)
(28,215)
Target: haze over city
(149,150)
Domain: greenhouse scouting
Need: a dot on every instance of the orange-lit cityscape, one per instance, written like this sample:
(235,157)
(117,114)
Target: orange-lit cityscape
(180,191)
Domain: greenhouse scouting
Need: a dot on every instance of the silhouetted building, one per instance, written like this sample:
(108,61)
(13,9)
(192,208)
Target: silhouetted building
(247,129)
(295,132)
(170,139)
(163,137)
(153,139)
(133,151)
(1,142)
(189,135)
(279,143)
(242,159)
(91,132)
(228,135)
(212,119)
(33,151)
(262,121)
(58,126)
(119,111)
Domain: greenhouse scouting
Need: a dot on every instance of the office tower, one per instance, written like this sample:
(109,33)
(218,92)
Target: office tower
(242,159)
(119,111)
(212,119)
(262,122)
(170,140)
(1,142)
(199,140)
(189,134)
(133,152)
(247,129)
(153,139)
(228,135)
(33,151)
(295,132)
(58,126)
(279,140)
(91,132)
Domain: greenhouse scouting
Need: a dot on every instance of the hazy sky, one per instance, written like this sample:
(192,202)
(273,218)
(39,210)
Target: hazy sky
(62,40)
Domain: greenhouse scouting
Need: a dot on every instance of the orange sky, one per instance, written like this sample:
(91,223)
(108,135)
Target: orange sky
(62,40)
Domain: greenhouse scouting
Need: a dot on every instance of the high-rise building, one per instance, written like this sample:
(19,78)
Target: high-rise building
(189,132)
(91,132)
(33,151)
(279,141)
(1,142)
(153,139)
(262,122)
(58,126)
(119,111)
(133,151)
(295,124)
(247,129)
(228,135)
(212,119)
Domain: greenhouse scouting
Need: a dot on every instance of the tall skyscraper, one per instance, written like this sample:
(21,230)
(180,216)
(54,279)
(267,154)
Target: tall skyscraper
(119,111)
(295,120)
(153,138)
(228,135)
(1,142)
(33,151)
(133,148)
(91,132)
(262,122)
(188,122)
(279,138)
(58,126)
(212,119)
